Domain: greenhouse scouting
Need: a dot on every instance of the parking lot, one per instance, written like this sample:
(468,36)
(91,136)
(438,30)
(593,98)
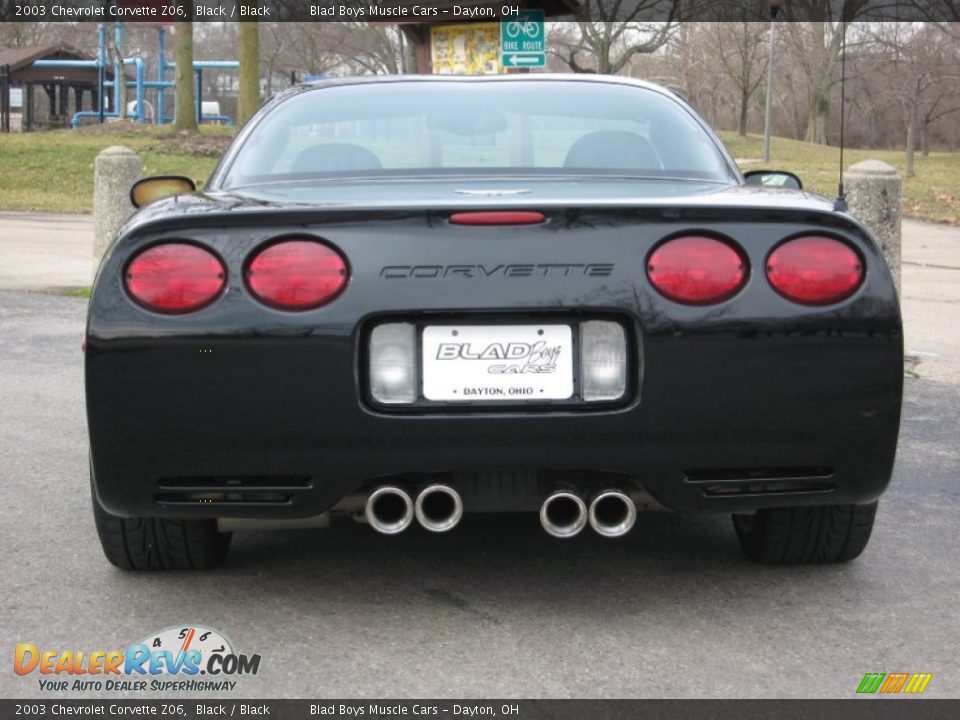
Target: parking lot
(496,608)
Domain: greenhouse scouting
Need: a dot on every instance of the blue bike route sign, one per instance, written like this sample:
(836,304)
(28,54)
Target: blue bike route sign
(523,42)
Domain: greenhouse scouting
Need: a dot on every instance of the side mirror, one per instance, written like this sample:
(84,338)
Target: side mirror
(156,188)
(773,179)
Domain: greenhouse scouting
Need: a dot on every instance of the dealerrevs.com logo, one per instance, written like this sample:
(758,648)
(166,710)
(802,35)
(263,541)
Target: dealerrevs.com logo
(187,658)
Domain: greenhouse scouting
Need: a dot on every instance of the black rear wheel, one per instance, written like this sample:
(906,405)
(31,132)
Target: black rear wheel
(151,543)
(810,535)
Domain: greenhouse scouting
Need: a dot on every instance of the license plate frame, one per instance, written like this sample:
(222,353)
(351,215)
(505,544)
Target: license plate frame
(498,363)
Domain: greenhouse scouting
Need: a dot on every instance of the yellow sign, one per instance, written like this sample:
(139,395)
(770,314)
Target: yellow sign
(466,49)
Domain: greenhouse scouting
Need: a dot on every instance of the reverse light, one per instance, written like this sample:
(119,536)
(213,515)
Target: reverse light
(393,375)
(697,270)
(814,270)
(603,360)
(174,278)
(296,274)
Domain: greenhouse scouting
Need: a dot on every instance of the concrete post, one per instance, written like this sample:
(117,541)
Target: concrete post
(115,170)
(874,191)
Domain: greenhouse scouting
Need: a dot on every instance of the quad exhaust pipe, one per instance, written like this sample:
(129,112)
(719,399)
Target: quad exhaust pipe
(438,508)
(611,513)
(563,514)
(391,510)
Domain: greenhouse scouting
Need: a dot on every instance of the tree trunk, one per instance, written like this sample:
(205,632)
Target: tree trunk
(925,139)
(119,77)
(911,140)
(744,103)
(186,105)
(818,118)
(249,97)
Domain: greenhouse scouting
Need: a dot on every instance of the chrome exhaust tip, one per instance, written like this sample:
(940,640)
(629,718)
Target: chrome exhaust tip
(563,514)
(389,510)
(439,508)
(612,513)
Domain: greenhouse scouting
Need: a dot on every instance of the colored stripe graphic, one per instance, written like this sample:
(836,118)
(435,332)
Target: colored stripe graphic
(893,683)
(918,682)
(871,682)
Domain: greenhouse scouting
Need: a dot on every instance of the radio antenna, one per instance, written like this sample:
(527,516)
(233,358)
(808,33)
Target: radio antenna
(840,205)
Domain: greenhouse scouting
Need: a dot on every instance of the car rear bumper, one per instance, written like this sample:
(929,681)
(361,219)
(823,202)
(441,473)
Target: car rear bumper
(279,426)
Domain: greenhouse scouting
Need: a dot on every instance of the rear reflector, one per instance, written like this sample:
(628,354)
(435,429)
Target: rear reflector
(697,270)
(175,278)
(297,274)
(814,270)
(497,217)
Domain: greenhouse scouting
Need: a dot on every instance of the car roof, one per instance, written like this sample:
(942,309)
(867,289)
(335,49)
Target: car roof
(516,78)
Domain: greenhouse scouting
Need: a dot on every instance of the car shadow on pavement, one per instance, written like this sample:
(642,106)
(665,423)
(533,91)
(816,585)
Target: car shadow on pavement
(490,558)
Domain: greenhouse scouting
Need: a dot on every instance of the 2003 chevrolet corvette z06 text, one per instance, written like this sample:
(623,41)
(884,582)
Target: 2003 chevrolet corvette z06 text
(405,299)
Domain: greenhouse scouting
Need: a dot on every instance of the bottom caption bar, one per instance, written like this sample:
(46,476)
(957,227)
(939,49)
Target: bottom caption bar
(857,709)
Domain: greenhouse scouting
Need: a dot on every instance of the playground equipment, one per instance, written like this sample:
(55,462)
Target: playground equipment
(140,83)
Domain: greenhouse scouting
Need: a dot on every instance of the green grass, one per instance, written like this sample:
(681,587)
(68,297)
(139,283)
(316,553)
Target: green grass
(53,171)
(934,194)
(81,292)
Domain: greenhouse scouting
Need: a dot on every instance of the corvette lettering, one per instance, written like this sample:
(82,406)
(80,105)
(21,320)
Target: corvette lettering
(425,272)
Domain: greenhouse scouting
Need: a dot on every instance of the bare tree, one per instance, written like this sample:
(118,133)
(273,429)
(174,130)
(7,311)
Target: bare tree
(376,48)
(738,47)
(26,34)
(816,52)
(304,48)
(602,45)
(921,78)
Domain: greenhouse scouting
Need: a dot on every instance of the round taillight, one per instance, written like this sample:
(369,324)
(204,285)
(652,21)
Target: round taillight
(175,277)
(814,270)
(297,274)
(697,270)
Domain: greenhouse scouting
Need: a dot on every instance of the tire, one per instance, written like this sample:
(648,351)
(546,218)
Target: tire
(805,535)
(152,543)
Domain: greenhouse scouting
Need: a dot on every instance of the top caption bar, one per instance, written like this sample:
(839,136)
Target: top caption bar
(433,11)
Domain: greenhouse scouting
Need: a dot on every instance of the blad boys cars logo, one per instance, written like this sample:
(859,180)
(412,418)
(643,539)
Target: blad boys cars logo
(170,660)
(536,357)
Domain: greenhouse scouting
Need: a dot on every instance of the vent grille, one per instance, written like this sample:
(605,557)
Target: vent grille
(230,491)
(740,482)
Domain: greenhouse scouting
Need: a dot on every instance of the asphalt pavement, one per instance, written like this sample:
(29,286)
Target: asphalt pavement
(493,609)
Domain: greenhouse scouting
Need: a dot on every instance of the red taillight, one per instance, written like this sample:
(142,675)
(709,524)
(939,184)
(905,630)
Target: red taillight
(697,270)
(175,278)
(497,217)
(814,270)
(297,274)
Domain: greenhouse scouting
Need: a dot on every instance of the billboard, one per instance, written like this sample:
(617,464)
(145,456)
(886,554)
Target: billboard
(466,49)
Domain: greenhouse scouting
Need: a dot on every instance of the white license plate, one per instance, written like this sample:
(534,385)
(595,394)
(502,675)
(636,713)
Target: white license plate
(500,363)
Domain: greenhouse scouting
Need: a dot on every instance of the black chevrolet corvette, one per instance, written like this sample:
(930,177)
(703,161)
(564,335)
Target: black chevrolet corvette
(406,299)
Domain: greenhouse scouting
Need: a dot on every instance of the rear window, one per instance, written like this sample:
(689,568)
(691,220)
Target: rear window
(455,128)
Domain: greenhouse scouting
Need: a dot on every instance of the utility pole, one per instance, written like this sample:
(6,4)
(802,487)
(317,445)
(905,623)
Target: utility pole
(774,7)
